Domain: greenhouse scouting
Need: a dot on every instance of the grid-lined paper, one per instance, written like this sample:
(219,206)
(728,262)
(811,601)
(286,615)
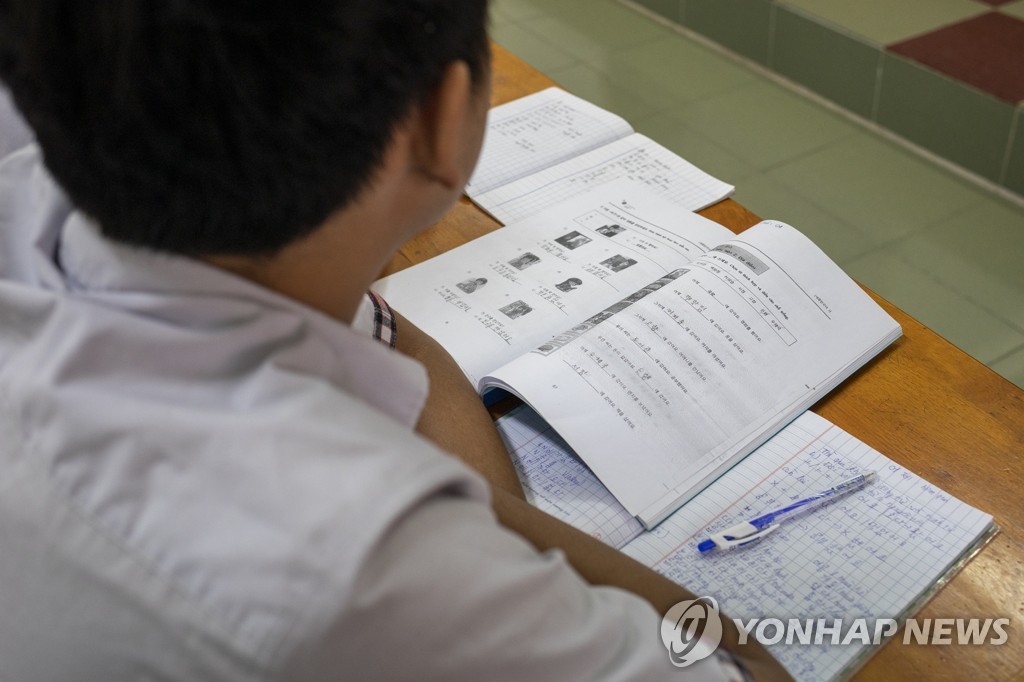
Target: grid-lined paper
(537,131)
(635,157)
(872,553)
(869,554)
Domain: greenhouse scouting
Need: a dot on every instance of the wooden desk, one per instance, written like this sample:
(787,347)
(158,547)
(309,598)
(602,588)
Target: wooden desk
(922,402)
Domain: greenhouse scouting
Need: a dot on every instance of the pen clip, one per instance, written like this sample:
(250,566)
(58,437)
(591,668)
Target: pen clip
(736,536)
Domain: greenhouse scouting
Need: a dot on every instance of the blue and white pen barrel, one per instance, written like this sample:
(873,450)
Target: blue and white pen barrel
(736,536)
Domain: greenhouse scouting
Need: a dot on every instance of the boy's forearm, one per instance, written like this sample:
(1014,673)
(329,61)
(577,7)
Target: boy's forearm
(600,564)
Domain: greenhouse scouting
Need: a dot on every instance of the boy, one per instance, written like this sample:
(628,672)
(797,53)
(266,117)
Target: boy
(210,471)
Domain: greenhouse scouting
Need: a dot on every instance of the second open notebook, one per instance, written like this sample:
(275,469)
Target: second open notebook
(879,552)
(550,146)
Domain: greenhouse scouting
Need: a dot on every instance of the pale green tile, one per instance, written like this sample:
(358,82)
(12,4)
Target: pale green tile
(1013,8)
(696,148)
(517,10)
(884,22)
(959,123)
(670,9)
(742,26)
(1011,366)
(594,30)
(978,253)
(884,190)
(952,316)
(584,81)
(830,63)
(770,199)
(497,18)
(530,47)
(674,69)
(765,124)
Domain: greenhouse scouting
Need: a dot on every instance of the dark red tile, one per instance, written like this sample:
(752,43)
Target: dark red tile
(986,52)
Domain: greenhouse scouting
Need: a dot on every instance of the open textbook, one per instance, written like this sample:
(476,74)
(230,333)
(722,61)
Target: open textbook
(660,345)
(546,147)
(878,553)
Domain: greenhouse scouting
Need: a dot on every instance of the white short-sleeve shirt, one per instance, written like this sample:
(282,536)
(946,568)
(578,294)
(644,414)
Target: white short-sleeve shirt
(202,479)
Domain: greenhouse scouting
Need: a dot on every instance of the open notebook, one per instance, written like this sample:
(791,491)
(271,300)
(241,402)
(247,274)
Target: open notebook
(549,146)
(879,553)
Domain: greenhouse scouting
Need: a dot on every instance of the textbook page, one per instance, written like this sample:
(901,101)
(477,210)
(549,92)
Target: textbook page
(877,552)
(635,157)
(662,392)
(537,131)
(874,553)
(556,481)
(505,293)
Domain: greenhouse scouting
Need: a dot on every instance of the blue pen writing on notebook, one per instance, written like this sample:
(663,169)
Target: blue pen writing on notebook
(755,529)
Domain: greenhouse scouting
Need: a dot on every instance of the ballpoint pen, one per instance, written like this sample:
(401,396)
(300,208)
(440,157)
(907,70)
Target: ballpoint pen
(755,529)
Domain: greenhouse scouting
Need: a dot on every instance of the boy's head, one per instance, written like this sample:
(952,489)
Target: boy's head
(209,127)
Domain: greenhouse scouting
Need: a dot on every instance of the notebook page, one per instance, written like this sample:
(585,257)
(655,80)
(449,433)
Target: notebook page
(537,131)
(635,157)
(557,482)
(869,554)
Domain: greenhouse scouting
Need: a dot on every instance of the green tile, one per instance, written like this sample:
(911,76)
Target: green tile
(592,31)
(977,253)
(531,48)
(769,198)
(670,9)
(871,183)
(674,69)
(1015,9)
(830,63)
(584,81)
(696,148)
(884,22)
(1014,178)
(1011,366)
(765,123)
(497,18)
(517,10)
(739,25)
(968,127)
(962,323)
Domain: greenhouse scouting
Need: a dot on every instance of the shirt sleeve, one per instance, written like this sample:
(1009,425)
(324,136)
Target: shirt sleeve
(450,594)
(374,318)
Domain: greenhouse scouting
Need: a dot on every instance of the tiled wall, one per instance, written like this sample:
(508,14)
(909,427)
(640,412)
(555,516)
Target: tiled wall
(853,53)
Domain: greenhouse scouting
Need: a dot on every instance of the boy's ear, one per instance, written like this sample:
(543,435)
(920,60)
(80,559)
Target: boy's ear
(445,141)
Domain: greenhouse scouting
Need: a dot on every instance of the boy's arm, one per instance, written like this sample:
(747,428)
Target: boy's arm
(600,564)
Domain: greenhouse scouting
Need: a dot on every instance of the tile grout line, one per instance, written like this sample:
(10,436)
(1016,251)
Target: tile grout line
(1008,153)
(1006,355)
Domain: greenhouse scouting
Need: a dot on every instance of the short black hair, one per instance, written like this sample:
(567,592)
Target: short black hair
(211,127)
